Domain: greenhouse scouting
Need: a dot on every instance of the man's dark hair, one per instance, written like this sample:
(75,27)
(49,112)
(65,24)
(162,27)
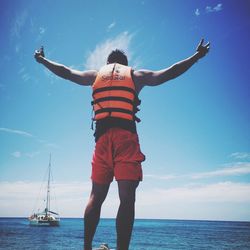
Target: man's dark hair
(117,56)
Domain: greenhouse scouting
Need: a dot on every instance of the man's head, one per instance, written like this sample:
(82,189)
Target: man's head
(117,56)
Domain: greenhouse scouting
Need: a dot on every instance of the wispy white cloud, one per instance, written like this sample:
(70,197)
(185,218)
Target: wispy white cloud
(16,154)
(24,75)
(30,190)
(218,201)
(17,48)
(160,177)
(22,133)
(51,145)
(209,9)
(217,192)
(21,198)
(19,154)
(197,12)
(237,169)
(200,201)
(234,169)
(48,144)
(19,23)
(18,132)
(98,57)
(32,154)
(111,26)
(216,8)
(21,70)
(42,30)
(240,155)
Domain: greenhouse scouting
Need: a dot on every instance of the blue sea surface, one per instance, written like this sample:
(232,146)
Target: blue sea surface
(15,233)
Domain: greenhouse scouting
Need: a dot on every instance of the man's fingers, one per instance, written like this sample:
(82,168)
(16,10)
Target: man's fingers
(37,52)
(201,42)
(203,49)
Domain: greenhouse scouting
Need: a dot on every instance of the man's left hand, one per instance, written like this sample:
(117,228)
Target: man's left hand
(202,49)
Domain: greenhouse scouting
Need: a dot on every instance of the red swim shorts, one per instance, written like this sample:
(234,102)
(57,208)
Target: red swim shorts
(117,153)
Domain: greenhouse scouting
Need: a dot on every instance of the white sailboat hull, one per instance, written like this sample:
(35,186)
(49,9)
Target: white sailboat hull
(43,221)
(53,223)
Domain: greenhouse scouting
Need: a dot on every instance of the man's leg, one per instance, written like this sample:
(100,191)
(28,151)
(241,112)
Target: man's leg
(126,213)
(92,212)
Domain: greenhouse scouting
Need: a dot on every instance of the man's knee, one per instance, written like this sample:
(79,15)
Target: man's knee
(96,201)
(98,194)
(127,198)
(127,191)
(128,205)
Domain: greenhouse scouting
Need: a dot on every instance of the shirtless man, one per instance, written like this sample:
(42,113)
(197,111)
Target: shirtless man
(117,151)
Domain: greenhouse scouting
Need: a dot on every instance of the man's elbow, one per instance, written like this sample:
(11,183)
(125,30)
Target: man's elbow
(164,78)
(65,73)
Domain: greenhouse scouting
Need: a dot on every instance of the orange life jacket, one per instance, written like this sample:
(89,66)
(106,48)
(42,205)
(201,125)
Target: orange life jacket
(114,93)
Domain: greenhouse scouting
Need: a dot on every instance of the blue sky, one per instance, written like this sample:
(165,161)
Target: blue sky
(194,130)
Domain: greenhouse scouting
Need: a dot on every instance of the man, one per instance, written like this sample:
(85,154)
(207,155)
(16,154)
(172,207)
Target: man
(117,152)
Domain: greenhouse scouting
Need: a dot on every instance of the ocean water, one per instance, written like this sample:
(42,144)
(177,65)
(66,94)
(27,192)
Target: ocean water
(15,233)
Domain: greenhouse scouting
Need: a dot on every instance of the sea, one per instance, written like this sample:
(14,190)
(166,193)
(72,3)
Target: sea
(15,233)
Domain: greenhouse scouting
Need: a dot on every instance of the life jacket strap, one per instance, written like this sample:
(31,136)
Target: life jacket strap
(114,88)
(110,110)
(112,98)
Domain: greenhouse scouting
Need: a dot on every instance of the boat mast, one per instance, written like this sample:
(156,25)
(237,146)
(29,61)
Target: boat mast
(48,189)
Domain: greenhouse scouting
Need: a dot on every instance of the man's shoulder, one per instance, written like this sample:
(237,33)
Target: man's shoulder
(137,76)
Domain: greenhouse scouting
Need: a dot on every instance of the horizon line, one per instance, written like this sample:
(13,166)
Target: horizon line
(109,218)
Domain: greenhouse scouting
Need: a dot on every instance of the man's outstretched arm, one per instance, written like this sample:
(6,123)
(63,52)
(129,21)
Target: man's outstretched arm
(80,77)
(153,78)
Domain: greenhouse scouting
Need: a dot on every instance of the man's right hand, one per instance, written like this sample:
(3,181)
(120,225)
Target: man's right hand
(39,55)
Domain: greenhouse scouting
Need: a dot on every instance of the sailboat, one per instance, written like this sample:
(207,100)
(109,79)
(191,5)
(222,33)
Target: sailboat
(46,217)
